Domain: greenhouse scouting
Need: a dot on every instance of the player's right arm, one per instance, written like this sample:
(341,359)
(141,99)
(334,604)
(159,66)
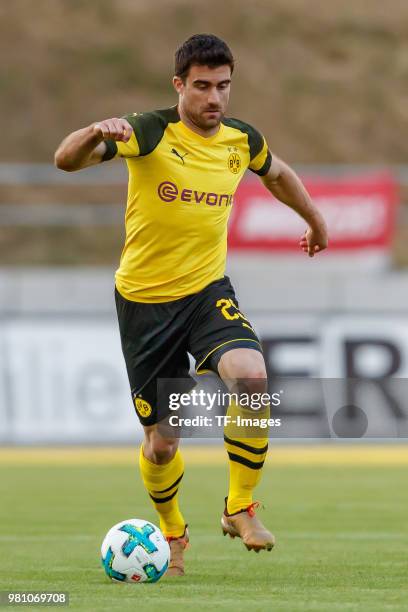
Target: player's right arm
(87,147)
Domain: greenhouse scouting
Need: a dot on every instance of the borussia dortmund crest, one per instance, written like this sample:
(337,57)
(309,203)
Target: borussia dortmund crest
(143,408)
(234,163)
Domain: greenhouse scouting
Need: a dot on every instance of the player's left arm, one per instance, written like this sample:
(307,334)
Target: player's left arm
(286,186)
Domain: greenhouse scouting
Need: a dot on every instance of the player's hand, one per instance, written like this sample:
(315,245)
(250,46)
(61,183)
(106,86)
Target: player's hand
(114,129)
(313,241)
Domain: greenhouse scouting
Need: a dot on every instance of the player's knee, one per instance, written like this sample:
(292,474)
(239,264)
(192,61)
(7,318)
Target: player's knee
(246,365)
(159,450)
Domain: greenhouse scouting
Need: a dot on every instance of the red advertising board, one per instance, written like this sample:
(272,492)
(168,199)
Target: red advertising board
(360,213)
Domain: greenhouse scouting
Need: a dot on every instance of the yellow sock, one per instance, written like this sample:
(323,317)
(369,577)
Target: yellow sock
(162,482)
(246,457)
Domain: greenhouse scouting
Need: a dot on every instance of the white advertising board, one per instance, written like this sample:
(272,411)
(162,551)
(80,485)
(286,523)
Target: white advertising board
(66,382)
(63,380)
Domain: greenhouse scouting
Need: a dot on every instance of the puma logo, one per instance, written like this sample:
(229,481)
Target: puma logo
(177,154)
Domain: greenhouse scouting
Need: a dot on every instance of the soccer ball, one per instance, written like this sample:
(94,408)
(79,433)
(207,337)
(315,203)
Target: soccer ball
(135,551)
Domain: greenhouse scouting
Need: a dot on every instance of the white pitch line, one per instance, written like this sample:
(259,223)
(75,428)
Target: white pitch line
(45,537)
(302,535)
(306,535)
(375,535)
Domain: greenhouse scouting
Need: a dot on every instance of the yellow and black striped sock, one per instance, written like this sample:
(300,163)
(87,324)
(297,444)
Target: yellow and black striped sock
(162,482)
(246,458)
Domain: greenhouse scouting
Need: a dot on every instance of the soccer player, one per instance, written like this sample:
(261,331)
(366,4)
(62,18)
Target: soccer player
(185,164)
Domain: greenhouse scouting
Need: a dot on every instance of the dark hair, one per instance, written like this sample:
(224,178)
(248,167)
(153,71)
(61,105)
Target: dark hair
(202,50)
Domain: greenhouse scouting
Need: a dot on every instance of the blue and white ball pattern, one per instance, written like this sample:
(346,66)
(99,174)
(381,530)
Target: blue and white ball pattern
(135,551)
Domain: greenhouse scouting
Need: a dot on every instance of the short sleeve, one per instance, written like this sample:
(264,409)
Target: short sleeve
(261,162)
(123,149)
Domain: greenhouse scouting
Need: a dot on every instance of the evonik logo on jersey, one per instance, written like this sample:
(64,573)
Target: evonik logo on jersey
(168,192)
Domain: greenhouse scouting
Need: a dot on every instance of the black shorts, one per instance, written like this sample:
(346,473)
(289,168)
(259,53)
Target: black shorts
(156,339)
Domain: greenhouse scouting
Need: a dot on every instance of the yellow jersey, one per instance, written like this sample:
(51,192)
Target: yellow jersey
(180,194)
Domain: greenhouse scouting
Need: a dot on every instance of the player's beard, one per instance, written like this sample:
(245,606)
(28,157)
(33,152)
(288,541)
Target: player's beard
(207,119)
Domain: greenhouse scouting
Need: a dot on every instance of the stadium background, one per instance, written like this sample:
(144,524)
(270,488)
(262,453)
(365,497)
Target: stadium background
(326,83)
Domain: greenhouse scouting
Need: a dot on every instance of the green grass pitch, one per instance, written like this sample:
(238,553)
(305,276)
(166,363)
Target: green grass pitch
(341,531)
